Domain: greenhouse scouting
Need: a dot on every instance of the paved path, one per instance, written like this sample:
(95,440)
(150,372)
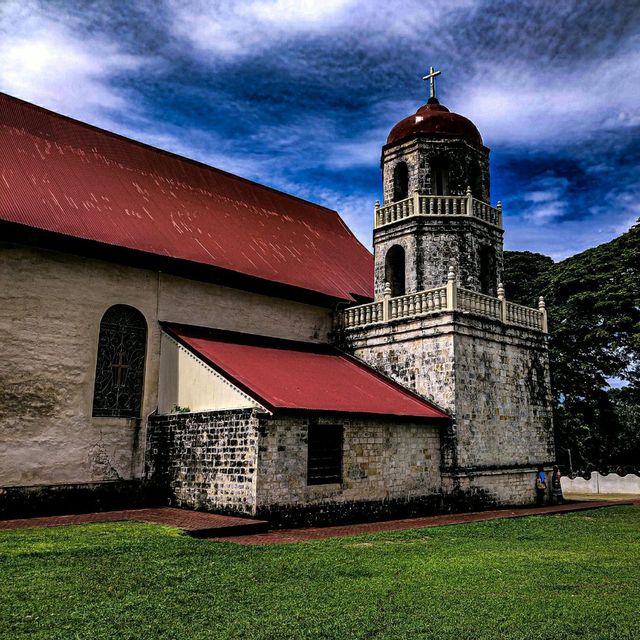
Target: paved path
(195,523)
(318,533)
(250,531)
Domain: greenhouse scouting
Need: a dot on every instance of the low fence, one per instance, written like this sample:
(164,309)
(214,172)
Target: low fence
(598,483)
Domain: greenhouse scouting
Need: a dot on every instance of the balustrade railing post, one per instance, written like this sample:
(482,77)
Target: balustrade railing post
(503,303)
(376,215)
(469,197)
(451,289)
(542,309)
(416,203)
(386,302)
(499,208)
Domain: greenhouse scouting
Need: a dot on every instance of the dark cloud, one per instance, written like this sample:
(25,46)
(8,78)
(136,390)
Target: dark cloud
(300,95)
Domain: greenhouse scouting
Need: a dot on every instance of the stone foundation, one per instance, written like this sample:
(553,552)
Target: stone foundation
(47,500)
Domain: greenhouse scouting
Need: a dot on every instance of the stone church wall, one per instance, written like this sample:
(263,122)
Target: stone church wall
(492,378)
(205,460)
(503,403)
(51,305)
(389,467)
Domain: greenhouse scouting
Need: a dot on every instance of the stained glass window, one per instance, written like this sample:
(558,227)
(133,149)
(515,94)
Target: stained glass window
(120,367)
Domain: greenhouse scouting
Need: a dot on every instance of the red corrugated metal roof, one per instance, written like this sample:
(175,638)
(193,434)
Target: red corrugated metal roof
(282,374)
(67,177)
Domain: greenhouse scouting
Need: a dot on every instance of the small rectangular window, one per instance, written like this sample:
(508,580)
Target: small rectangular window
(324,463)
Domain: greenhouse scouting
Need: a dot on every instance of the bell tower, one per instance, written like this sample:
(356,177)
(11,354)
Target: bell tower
(441,322)
(436,208)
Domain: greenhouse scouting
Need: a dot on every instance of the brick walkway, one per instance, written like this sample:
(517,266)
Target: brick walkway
(249,531)
(318,533)
(195,523)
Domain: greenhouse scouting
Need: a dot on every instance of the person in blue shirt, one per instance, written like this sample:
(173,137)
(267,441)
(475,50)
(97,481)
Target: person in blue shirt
(541,486)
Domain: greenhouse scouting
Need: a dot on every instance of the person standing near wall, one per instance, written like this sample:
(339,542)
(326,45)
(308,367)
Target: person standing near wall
(541,486)
(556,486)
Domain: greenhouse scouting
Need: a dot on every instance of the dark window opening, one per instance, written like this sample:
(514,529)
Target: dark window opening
(324,462)
(394,270)
(400,182)
(475,182)
(439,178)
(122,348)
(488,273)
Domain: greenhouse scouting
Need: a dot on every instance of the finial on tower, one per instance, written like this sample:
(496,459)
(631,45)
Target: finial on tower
(451,276)
(431,77)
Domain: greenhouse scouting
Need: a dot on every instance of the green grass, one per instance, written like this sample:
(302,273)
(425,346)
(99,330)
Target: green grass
(568,576)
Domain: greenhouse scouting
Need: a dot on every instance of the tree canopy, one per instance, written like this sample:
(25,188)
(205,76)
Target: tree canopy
(593,302)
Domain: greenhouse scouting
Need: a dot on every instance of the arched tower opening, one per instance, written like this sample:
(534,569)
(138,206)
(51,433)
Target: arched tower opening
(439,177)
(400,181)
(394,270)
(488,270)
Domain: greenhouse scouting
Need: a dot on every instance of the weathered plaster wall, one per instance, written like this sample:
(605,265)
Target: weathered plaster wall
(189,383)
(50,310)
(384,460)
(206,460)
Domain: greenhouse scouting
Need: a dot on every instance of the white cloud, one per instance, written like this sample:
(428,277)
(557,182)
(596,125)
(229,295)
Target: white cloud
(520,104)
(247,27)
(547,200)
(47,62)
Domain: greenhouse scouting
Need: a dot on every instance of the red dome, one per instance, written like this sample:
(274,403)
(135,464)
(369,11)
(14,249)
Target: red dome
(434,120)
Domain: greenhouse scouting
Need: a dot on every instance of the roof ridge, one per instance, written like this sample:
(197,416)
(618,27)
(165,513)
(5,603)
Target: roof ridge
(166,152)
(249,339)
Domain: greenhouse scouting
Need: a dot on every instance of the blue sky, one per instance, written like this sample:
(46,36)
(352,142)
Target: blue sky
(300,95)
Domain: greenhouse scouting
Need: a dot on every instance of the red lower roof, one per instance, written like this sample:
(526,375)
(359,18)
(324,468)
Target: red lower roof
(281,374)
(66,177)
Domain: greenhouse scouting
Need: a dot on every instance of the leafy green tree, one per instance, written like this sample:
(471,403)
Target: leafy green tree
(593,301)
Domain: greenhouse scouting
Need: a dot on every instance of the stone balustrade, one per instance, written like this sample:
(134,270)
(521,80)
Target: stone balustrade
(415,304)
(418,205)
(447,298)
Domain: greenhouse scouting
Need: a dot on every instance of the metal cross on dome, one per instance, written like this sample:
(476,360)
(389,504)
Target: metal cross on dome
(431,77)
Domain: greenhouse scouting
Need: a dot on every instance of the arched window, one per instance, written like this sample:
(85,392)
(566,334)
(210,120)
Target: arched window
(439,177)
(394,270)
(488,272)
(400,181)
(122,346)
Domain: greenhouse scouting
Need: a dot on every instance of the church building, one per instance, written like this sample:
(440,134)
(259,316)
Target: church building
(175,334)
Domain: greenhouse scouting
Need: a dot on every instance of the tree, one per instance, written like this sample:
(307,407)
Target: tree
(593,301)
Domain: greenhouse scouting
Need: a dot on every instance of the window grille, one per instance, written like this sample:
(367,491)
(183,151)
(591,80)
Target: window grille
(120,365)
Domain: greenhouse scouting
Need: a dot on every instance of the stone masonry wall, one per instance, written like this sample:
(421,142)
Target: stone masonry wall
(51,305)
(492,378)
(385,462)
(468,165)
(503,396)
(206,460)
(432,244)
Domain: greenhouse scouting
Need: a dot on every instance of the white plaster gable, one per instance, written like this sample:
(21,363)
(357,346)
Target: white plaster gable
(189,383)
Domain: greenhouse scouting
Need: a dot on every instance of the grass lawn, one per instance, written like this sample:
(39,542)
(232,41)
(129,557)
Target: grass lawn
(566,576)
